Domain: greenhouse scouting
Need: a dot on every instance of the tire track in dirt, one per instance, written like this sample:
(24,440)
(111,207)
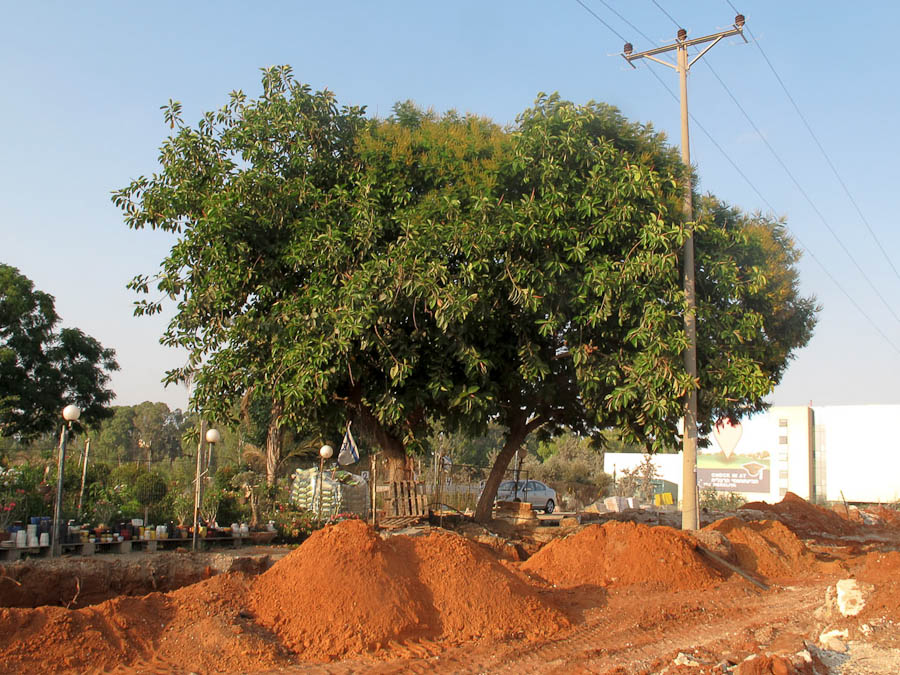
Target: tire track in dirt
(602,643)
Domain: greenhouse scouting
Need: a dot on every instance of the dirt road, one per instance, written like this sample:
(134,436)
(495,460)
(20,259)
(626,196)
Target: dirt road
(610,598)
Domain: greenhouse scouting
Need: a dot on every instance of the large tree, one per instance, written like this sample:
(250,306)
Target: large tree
(253,192)
(591,296)
(431,267)
(157,431)
(312,265)
(44,368)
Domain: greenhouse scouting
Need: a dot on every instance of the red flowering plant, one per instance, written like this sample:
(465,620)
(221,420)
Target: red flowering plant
(11,496)
(293,523)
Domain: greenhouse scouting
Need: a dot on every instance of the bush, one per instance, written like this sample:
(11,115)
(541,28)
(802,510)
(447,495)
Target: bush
(713,500)
(181,505)
(568,460)
(126,475)
(637,482)
(230,509)
(149,490)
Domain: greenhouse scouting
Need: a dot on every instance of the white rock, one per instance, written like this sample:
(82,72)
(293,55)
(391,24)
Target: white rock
(850,599)
(833,640)
(686,660)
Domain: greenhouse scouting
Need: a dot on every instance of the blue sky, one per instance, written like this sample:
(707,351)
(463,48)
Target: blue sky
(83,83)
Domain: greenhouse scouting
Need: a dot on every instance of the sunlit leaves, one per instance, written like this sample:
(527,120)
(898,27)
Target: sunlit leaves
(434,266)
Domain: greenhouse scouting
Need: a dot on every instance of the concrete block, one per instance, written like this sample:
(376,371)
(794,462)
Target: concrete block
(615,504)
(521,509)
(121,547)
(9,554)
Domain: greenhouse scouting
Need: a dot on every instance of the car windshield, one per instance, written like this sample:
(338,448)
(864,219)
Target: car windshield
(511,485)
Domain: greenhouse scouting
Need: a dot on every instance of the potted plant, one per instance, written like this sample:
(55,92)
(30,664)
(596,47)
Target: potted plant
(11,499)
(104,512)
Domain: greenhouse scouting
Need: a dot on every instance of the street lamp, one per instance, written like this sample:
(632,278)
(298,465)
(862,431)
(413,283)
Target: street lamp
(212,436)
(70,414)
(325,452)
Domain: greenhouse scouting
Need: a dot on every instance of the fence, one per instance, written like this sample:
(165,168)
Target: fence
(455,487)
(102,489)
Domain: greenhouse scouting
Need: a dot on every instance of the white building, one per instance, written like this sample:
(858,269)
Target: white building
(822,453)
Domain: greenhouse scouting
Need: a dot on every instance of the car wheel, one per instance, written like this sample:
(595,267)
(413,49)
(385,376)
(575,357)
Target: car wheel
(550,506)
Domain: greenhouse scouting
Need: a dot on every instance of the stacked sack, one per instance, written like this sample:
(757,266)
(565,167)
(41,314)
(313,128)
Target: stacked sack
(305,492)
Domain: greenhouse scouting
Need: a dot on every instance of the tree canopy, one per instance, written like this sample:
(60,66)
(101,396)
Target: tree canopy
(43,368)
(437,267)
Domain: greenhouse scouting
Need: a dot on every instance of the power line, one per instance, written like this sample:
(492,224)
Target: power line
(752,186)
(677,25)
(597,16)
(804,193)
(765,201)
(801,190)
(630,25)
(825,154)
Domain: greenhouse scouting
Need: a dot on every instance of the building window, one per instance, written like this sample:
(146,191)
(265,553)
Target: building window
(782,440)
(782,491)
(783,474)
(782,422)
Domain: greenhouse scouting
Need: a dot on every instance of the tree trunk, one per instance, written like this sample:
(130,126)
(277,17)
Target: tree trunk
(274,438)
(519,429)
(254,509)
(398,466)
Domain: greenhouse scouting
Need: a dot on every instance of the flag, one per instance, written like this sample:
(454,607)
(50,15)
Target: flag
(349,453)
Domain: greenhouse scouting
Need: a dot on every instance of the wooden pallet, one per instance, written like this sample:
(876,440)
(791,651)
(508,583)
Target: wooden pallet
(406,498)
(399,522)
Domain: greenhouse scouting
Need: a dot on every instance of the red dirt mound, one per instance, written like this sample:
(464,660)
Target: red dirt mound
(770,664)
(880,567)
(344,590)
(889,516)
(622,554)
(474,594)
(879,578)
(805,519)
(196,628)
(767,548)
(439,586)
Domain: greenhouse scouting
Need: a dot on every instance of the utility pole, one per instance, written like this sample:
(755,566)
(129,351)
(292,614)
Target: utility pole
(198,486)
(690,514)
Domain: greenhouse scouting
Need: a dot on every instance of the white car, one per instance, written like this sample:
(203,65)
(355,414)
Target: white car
(534,492)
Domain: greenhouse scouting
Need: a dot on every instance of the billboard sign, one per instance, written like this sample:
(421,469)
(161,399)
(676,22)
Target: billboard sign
(725,469)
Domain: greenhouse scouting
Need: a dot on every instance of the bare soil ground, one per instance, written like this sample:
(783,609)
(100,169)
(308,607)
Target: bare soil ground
(607,597)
